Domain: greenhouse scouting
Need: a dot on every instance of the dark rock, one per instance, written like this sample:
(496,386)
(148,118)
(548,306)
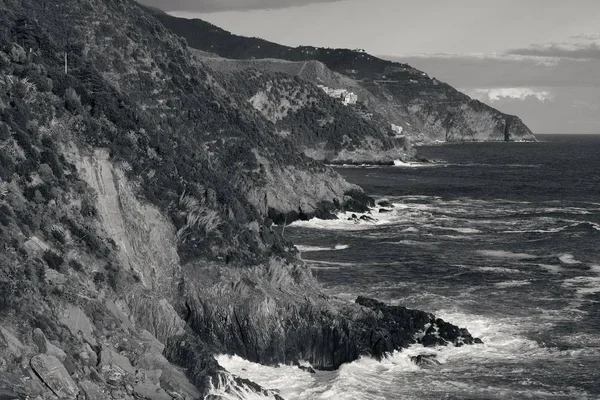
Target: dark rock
(384,211)
(310,370)
(305,368)
(423,360)
(357,201)
(385,203)
(366,218)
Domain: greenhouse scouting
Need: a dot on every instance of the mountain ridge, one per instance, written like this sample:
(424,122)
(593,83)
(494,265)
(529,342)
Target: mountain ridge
(426,108)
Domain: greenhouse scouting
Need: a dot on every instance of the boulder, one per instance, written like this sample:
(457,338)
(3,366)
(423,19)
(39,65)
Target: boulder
(54,374)
(44,346)
(151,391)
(78,324)
(115,367)
(92,391)
(385,203)
(11,343)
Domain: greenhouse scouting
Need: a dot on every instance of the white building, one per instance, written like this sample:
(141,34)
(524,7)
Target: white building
(342,94)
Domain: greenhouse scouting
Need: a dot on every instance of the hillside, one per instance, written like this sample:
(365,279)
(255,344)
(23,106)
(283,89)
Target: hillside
(137,202)
(320,125)
(425,107)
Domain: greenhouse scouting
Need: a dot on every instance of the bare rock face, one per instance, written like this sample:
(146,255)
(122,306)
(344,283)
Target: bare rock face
(54,374)
(92,391)
(151,391)
(78,323)
(44,346)
(114,366)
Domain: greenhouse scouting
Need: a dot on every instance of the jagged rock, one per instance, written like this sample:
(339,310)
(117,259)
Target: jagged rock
(309,369)
(78,323)
(152,376)
(54,375)
(88,357)
(424,360)
(34,385)
(11,387)
(115,366)
(44,346)
(92,391)
(408,323)
(11,343)
(366,218)
(385,203)
(151,391)
(96,376)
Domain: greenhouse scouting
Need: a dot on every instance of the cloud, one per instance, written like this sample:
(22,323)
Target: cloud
(583,52)
(507,71)
(580,47)
(518,93)
(209,6)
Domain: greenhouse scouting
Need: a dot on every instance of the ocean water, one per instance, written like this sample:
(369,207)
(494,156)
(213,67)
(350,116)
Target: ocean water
(500,238)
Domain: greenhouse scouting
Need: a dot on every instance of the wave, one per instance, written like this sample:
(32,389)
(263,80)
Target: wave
(505,254)
(568,259)
(307,248)
(227,388)
(555,269)
(412,164)
(583,285)
(347,222)
(461,230)
(499,270)
(512,284)
(453,374)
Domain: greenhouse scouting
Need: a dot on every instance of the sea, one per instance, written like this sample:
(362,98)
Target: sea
(499,238)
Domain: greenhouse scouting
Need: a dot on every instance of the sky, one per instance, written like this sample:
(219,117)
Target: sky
(539,59)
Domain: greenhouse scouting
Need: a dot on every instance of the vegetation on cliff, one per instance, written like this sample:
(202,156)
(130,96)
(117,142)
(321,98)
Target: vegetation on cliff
(137,197)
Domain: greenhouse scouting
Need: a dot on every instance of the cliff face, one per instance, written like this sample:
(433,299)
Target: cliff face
(137,196)
(425,108)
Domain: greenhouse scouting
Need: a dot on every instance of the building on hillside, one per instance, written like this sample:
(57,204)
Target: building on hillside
(342,94)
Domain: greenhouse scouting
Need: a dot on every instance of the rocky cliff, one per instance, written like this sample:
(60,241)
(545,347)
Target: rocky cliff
(424,107)
(137,197)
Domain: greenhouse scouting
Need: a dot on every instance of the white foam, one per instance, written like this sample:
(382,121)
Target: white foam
(568,259)
(499,270)
(555,269)
(412,164)
(397,377)
(290,381)
(410,230)
(505,254)
(307,248)
(227,389)
(347,223)
(462,230)
(512,284)
(583,285)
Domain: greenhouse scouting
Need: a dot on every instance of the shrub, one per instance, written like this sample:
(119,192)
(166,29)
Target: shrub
(54,261)
(72,100)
